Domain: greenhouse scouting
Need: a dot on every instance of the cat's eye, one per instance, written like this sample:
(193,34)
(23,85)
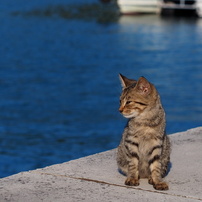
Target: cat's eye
(140,103)
(128,102)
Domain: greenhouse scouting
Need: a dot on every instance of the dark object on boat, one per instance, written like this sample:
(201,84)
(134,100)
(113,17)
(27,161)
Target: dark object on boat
(105,1)
(186,2)
(180,8)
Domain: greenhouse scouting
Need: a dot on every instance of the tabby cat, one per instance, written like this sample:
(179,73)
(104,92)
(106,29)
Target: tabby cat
(144,151)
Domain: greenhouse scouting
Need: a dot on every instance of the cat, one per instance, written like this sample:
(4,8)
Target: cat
(144,150)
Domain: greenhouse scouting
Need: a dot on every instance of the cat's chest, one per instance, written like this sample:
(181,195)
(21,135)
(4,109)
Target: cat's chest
(144,147)
(145,143)
(144,137)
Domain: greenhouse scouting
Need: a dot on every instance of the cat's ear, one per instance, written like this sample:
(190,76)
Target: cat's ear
(125,82)
(143,86)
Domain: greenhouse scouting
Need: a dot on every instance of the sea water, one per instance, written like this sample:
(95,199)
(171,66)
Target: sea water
(59,86)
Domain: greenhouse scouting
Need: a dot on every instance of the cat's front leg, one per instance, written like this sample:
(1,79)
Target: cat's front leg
(133,173)
(155,179)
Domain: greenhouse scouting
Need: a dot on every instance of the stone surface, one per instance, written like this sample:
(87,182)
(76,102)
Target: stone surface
(96,178)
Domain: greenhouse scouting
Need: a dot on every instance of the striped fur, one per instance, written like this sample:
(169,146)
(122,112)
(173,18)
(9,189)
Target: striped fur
(144,151)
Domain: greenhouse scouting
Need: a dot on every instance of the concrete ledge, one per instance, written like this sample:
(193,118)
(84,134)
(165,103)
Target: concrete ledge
(95,178)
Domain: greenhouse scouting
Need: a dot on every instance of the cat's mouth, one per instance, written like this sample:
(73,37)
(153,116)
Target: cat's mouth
(129,116)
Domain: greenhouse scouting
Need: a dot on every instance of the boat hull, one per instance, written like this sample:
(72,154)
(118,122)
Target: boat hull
(138,6)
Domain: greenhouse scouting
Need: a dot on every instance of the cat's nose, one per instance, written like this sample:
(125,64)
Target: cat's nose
(120,109)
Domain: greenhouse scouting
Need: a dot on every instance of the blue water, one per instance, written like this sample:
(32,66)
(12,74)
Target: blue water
(59,86)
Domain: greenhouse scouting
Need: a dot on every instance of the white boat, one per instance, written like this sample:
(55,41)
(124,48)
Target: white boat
(157,6)
(138,6)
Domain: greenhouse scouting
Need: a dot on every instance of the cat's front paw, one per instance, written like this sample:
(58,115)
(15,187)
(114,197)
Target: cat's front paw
(150,180)
(132,182)
(161,186)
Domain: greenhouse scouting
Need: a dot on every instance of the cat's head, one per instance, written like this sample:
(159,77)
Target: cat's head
(137,96)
